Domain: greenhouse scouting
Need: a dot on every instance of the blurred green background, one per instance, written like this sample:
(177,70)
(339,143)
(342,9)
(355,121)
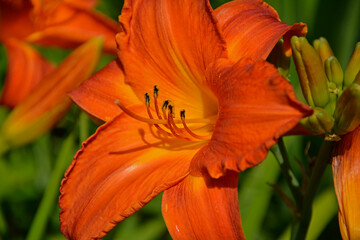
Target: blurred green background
(30,176)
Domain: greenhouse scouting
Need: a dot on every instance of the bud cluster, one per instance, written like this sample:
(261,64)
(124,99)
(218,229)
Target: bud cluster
(332,93)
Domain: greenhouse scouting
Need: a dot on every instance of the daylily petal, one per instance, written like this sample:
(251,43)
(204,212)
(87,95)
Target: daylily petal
(170,43)
(97,94)
(346,170)
(20,81)
(256,106)
(252,28)
(15,19)
(203,208)
(49,101)
(118,170)
(78,3)
(66,25)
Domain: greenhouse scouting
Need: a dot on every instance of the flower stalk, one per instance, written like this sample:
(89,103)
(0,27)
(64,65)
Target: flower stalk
(282,158)
(302,222)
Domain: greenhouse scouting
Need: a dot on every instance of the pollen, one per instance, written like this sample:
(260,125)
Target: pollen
(167,124)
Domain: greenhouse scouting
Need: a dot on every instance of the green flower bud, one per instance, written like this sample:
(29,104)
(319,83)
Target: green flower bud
(279,59)
(357,78)
(334,72)
(323,48)
(347,112)
(320,122)
(309,64)
(353,66)
(330,107)
(300,68)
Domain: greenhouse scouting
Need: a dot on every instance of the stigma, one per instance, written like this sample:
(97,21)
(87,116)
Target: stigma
(165,121)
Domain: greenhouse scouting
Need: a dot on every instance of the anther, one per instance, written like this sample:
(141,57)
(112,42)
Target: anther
(156,91)
(147,100)
(182,114)
(165,105)
(171,109)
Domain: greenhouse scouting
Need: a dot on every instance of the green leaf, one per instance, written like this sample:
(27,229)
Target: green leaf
(49,199)
(324,209)
(255,194)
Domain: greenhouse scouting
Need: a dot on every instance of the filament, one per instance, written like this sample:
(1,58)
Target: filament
(168,120)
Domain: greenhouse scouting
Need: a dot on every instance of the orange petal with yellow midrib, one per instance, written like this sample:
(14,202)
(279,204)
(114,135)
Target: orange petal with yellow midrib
(119,169)
(256,107)
(170,44)
(97,94)
(203,208)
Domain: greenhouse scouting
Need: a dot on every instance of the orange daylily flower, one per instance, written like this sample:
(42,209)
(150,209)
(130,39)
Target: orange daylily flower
(49,101)
(346,169)
(236,105)
(55,23)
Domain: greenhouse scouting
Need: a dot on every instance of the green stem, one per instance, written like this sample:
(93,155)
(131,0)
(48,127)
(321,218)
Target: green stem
(84,126)
(4,147)
(301,223)
(3,225)
(281,156)
(51,193)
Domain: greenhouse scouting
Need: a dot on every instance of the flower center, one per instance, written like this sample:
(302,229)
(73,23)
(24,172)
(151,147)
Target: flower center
(166,122)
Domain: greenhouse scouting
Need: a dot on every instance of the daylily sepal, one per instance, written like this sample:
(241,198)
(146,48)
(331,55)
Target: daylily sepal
(320,122)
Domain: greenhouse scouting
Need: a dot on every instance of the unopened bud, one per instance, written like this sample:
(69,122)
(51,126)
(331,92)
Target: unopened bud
(279,59)
(300,68)
(321,122)
(315,75)
(353,66)
(347,112)
(334,72)
(323,48)
(333,95)
(357,78)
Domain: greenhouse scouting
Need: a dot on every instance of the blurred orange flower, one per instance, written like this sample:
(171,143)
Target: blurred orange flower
(209,63)
(53,23)
(49,101)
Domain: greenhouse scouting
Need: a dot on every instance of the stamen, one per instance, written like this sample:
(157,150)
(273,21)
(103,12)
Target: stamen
(156,91)
(182,115)
(147,100)
(158,121)
(171,121)
(147,103)
(156,94)
(137,117)
(164,107)
(172,126)
(171,109)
